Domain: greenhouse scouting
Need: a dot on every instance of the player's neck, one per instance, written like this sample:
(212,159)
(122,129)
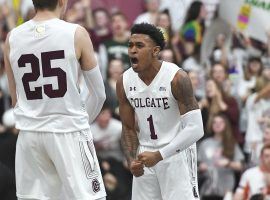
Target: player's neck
(148,75)
(43,15)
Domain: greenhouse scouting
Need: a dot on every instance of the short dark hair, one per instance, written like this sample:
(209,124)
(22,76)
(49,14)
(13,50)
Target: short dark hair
(152,31)
(45,4)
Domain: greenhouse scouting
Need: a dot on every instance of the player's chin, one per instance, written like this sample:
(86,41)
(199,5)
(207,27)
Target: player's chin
(135,67)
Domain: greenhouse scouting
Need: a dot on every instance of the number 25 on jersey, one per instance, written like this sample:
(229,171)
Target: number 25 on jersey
(47,71)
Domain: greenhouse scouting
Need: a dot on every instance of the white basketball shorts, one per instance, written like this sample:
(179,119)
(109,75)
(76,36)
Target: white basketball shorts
(53,166)
(174,178)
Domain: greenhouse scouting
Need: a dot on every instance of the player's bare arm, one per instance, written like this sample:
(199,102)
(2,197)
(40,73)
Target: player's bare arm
(84,49)
(190,117)
(90,70)
(183,92)
(129,137)
(10,75)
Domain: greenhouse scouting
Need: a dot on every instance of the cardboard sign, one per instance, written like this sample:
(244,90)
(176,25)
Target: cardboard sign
(249,16)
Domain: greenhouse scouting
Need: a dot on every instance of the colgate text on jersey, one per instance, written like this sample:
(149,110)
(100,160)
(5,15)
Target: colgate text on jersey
(149,102)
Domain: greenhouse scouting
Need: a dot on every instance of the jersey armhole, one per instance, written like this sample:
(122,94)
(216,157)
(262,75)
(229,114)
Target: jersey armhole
(76,26)
(10,45)
(171,93)
(124,85)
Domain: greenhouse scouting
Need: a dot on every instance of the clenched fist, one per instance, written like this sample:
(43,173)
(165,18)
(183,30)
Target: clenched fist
(150,159)
(136,168)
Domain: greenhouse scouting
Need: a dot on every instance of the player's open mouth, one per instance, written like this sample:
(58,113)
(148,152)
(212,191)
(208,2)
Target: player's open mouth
(134,61)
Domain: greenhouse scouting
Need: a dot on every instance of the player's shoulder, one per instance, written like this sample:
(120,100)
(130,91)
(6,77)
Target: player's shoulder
(177,72)
(170,64)
(128,71)
(181,74)
(171,68)
(66,25)
(16,33)
(81,32)
(128,74)
(20,28)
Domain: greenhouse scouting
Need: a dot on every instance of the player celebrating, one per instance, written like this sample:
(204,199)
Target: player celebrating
(160,97)
(55,151)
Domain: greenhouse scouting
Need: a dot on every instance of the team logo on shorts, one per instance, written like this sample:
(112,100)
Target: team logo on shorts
(95,185)
(195,194)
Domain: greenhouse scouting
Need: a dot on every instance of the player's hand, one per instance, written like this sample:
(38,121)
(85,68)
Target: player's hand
(150,159)
(136,168)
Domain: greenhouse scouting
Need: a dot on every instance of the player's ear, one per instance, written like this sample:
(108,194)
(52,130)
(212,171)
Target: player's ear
(156,51)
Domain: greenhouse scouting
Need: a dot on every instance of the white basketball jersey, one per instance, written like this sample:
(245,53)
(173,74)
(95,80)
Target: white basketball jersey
(46,71)
(155,106)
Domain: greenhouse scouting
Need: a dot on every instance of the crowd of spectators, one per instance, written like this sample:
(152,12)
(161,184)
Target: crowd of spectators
(230,74)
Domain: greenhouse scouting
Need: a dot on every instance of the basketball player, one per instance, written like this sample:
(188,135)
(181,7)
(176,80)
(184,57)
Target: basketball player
(162,156)
(55,152)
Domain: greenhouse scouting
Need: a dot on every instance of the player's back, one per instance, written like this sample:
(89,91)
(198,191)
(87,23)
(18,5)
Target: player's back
(155,106)
(46,71)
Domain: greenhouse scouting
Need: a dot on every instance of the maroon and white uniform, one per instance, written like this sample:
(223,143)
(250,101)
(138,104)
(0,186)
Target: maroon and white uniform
(159,121)
(55,146)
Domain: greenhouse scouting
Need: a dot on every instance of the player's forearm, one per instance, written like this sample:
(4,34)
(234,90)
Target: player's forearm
(130,143)
(94,83)
(192,131)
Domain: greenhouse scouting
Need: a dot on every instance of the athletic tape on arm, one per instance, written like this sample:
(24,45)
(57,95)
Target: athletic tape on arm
(192,131)
(95,85)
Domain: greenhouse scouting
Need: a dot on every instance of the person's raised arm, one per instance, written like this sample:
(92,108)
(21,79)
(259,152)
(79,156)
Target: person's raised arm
(129,139)
(10,75)
(191,119)
(90,70)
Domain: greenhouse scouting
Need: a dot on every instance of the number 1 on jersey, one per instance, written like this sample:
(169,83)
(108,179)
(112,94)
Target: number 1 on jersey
(152,128)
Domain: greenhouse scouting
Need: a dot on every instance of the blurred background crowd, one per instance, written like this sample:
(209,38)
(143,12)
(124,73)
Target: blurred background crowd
(229,69)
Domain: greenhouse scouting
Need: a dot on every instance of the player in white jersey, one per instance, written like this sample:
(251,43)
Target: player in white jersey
(162,155)
(55,155)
